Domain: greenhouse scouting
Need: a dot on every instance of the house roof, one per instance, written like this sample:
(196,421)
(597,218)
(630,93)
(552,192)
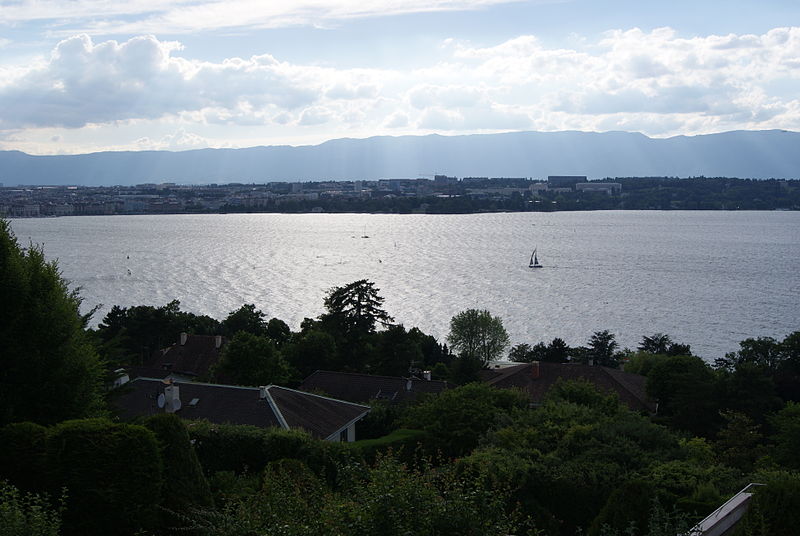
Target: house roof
(191,356)
(281,407)
(358,387)
(538,377)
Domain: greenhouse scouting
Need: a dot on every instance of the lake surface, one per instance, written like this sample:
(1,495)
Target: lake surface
(709,279)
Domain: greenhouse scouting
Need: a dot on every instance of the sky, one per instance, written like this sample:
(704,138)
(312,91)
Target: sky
(79,76)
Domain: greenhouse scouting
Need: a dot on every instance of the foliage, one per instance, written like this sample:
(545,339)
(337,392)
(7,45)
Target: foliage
(112,472)
(246,318)
(684,388)
(395,352)
(49,370)
(402,442)
(603,349)
(786,424)
(381,419)
(248,449)
(23,455)
(660,343)
(251,360)
(312,350)
(477,335)
(27,514)
(583,392)
(278,331)
(384,498)
(456,418)
(739,441)
(355,307)
(185,486)
(774,509)
(134,333)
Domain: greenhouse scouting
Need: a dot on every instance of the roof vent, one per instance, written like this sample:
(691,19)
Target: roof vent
(194,401)
(262,391)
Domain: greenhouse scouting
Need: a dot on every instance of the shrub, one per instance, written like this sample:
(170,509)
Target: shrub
(27,514)
(112,473)
(403,442)
(185,485)
(23,455)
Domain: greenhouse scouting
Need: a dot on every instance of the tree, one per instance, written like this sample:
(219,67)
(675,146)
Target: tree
(251,360)
(602,349)
(521,353)
(656,344)
(355,307)
(49,369)
(313,350)
(245,318)
(477,335)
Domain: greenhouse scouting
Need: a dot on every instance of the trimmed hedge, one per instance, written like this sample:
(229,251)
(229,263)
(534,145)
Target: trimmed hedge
(23,456)
(112,472)
(248,449)
(184,485)
(403,442)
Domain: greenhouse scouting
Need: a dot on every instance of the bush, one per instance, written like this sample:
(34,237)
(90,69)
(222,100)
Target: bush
(774,510)
(112,473)
(248,449)
(27,514)
(23,459)
(403,442)
(185,485)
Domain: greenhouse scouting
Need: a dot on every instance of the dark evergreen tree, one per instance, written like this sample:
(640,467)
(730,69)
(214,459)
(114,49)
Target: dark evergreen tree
(49,369)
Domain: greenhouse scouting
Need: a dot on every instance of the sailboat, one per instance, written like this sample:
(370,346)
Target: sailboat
(534,260)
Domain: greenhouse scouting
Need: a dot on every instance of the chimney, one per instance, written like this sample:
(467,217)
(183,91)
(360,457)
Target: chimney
(591,361)
(172,398)
(217,341)
(262,392)
(408,384)
(535,372)
(184,336)
(427,375)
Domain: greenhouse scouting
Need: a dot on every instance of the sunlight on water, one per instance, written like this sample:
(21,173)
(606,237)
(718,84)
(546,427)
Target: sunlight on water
(709,279)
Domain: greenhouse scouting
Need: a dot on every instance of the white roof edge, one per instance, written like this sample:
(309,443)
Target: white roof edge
(276,410)
(347,425)
(319,396)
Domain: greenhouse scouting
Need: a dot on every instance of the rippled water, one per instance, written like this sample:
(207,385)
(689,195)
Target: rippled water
(709,279)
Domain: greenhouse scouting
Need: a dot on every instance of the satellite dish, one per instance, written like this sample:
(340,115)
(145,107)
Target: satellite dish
(161,400)
(176,404)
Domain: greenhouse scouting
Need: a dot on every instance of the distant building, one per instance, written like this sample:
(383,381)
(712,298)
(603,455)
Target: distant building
(565,181)
(609,188)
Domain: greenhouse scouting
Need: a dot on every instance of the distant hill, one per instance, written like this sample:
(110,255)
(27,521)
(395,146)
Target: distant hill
(745,154)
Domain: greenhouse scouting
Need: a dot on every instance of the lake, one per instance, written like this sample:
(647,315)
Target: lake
(709,279)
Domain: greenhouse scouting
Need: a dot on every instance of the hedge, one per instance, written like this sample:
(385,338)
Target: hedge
(113,474)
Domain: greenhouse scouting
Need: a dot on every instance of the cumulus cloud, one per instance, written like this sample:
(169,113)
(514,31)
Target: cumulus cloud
(656,82)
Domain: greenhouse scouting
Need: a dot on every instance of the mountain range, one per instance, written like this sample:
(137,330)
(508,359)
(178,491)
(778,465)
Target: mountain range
(744,154)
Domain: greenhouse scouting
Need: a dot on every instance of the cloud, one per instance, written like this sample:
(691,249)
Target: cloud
(654,81)
(84,83)
(185,16)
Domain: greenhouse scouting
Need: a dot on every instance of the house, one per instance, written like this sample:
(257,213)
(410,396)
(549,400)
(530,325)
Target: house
(192,356)
(538,377)
(357,387)
(266,407)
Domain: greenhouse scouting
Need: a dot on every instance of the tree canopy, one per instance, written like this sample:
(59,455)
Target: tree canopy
(49,370)
(477,335)
(355,307)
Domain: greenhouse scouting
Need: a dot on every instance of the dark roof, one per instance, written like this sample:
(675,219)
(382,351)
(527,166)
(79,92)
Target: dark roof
(322,417)
(358,387)
(193,358)
(537,378)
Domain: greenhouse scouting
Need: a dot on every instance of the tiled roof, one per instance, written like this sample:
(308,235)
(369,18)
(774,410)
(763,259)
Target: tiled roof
(358,387)
(192,359)
(322,417)
(537,378)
